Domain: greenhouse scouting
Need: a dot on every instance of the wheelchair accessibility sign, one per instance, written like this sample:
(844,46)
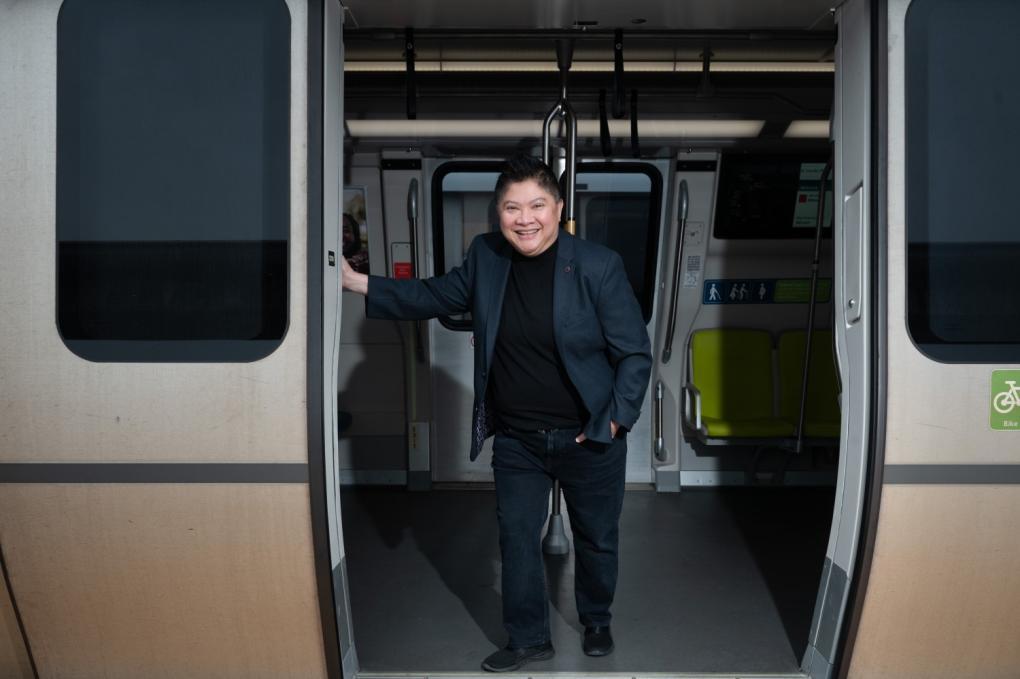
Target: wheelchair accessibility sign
(1005,411)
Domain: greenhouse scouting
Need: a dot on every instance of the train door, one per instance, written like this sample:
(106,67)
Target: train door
(940,594)
(620,204)
(168,502)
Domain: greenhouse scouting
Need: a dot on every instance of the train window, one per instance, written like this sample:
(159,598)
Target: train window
(464,206)
(770,196)
(618,205)
(173,179)
(962,145)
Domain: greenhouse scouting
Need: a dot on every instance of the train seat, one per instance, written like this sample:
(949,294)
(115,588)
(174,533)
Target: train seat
(729,398)
(821,417)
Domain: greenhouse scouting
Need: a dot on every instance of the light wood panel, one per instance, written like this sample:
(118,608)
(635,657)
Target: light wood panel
(174,581)
(944,589)
(14,661)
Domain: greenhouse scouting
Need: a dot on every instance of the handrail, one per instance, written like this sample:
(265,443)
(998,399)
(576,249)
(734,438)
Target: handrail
(660,441)
(555,541)
(811,305)
(412,225)
(682,209)
(563,109)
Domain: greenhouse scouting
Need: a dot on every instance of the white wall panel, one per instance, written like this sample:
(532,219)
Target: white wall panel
(57,406)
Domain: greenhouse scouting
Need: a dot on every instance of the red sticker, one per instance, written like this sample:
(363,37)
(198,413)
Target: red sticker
(401,269)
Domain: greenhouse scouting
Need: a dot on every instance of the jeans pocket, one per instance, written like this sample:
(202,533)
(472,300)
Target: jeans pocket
(593,446)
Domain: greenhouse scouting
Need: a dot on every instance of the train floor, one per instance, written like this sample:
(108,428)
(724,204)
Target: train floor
(711,580)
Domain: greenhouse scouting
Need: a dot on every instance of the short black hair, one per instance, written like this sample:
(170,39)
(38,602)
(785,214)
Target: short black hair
(521,168)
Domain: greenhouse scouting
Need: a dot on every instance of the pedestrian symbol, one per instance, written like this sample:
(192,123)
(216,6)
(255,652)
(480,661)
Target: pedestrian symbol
(739,291)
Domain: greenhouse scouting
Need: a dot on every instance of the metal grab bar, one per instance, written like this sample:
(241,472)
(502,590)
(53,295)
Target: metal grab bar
(667,350)
(660,441)
(555,541)
(412,225)
(563,109)
(811,305)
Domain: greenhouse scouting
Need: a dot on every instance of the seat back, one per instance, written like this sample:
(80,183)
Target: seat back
(733,371)
(823,381)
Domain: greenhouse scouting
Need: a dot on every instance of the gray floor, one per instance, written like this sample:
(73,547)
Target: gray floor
(710,581)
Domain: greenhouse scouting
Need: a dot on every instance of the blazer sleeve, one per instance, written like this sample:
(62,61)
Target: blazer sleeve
(627,343)
(420,298)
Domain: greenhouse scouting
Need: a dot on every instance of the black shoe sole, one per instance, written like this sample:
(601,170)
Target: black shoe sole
(544,655)
(599,652)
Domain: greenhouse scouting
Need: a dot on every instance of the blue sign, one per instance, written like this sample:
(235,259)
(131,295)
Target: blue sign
(764,291)
(749,291)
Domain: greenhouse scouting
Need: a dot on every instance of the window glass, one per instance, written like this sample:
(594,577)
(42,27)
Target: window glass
(618,205)
(770,196)
(464,196)
(962,141)
(173,178)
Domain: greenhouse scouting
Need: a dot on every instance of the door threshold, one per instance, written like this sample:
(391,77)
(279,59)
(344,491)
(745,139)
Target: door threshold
(584,675)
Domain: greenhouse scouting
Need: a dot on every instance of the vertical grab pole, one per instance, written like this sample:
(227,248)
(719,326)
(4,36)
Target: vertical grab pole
(571,187)
(555,541)
(811,306)
(412,224)
(667,350)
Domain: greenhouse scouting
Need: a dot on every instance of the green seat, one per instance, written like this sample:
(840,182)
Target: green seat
(821,418)
(730,395)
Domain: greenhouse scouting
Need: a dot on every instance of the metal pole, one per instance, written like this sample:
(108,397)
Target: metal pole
(555,541)
(412,224)
(667,350)
(811,307)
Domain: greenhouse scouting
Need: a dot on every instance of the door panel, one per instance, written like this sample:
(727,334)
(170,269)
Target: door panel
(122,481)
(948,500)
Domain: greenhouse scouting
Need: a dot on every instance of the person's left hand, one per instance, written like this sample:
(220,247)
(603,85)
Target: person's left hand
(613,426)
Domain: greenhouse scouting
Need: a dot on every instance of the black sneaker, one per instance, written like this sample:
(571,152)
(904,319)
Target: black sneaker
(510,659)
(597,641)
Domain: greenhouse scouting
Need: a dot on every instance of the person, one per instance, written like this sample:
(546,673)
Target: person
(353,252)
(562,361)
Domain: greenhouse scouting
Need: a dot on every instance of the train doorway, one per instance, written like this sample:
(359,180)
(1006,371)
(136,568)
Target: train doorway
(424,566)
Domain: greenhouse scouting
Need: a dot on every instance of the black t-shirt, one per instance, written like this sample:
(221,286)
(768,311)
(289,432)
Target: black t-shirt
(529,386)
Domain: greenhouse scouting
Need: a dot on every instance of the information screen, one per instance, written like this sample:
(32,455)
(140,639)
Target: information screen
(766,197)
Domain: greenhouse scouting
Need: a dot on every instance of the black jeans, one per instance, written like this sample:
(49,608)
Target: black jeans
(592,478)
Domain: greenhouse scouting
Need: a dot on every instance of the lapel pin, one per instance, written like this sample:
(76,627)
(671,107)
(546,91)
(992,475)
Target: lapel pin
(566,269)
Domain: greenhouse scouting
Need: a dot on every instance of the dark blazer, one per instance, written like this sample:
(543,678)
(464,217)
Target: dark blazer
(597,324)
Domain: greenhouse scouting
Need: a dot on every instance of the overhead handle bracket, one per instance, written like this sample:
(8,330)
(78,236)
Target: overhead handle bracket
(705,88)
(412,84)
(619,91)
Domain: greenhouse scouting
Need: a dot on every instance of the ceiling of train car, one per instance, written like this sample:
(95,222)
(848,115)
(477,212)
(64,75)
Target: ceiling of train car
(546,14)
(771,63)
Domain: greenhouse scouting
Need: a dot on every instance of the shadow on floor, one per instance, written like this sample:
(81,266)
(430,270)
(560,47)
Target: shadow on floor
(790,561)
(442,527)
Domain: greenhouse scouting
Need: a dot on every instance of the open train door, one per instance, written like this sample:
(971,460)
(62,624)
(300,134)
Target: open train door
(169,183)
(936,590)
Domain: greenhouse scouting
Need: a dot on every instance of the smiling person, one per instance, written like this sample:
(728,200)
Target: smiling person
(562,361)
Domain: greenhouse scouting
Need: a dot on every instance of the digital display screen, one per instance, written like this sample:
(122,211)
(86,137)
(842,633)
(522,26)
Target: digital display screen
(770,196)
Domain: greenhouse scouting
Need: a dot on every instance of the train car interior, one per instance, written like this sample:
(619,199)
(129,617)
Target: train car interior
(704,157)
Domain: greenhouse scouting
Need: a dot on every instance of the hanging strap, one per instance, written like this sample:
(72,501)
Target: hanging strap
(607,141)
(635,145)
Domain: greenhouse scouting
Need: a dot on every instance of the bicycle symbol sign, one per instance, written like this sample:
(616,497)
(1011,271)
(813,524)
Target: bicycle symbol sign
(1005,412)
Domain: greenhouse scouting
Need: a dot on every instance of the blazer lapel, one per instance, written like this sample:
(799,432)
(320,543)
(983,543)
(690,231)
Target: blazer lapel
(500,274)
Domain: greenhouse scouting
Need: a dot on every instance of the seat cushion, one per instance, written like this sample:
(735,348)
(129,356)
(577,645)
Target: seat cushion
(750,428)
